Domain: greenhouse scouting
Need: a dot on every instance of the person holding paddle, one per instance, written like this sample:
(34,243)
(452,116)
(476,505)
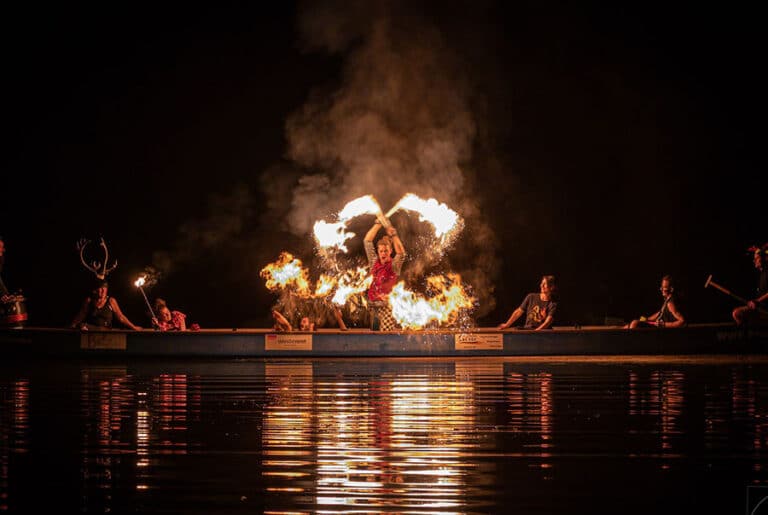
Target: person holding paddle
(751,313)
(668,315)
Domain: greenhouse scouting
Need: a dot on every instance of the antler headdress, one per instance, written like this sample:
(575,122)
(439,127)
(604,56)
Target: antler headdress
(99,268)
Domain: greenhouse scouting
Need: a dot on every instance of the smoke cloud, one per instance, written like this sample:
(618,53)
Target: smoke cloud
(400,120)
(397,120)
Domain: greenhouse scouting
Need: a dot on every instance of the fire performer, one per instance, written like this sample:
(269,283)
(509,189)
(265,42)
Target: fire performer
(385,271)
(749,314)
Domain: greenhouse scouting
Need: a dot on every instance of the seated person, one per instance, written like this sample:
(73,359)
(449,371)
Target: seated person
(751,314)
(539,308)
(99,310)
(167,320)
(668,315)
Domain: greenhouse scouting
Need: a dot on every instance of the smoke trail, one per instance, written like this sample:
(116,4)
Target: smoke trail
(399,121)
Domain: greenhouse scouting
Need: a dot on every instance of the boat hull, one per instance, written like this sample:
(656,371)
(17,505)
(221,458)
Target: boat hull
(236,343)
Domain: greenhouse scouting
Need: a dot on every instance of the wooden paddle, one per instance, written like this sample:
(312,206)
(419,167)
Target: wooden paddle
(713,284)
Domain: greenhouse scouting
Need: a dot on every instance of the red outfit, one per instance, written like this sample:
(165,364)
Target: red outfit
(384,279)
(177,317)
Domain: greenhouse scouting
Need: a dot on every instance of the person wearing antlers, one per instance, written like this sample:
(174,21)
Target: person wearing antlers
(751,314)
(385,270)
(99,309)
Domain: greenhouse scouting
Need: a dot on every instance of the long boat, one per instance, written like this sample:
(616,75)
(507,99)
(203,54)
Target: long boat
(694,339)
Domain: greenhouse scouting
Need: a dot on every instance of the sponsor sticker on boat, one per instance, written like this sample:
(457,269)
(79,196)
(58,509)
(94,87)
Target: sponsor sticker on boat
(479,341)
(288,342)
(102,341)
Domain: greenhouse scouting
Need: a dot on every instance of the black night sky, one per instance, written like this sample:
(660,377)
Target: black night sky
(608,145)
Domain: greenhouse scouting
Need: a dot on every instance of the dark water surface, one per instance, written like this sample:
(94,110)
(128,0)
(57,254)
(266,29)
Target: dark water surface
(480,435)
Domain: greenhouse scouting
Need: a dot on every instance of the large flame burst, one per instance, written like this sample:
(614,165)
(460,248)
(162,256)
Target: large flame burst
(413,311)
(446,296)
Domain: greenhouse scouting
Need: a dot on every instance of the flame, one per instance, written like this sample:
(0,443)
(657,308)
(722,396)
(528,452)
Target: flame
(287,271)
(413,311)
(334,235)
(330,235)
(140,281)
(365,205)
(443,219)
(325,285)
(445,299)
(350,283)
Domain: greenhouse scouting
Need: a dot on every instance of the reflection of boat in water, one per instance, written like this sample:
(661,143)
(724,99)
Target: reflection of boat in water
(594,340)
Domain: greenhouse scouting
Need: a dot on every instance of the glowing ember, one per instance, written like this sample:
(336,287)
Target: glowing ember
(413,311)
(140,281)
(442,218)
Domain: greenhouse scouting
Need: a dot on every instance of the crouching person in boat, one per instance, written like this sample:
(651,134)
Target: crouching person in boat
(751,314)
(668,315)
(166,319)
(282,324)
(99,311)
(385,270)
(539,308)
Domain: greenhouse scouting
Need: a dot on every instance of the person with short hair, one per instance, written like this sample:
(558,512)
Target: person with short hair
(385,270)
(668,315)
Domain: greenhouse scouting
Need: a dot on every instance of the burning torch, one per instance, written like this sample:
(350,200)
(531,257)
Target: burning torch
(139,283)
(383,219)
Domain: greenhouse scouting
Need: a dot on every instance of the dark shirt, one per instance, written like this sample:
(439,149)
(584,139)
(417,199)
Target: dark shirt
(665,314)
(762,282)
(100,317)
(537,310)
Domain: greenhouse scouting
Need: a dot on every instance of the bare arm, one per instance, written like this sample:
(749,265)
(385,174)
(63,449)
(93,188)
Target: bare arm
(80,317)
(517,313)
(120,316)
(373,231)
(546,323)
(339,319)
(398,244)
(281,321)
(679,319)
(752,304)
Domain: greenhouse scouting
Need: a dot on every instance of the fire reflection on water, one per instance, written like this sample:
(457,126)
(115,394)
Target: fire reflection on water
(409,436)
